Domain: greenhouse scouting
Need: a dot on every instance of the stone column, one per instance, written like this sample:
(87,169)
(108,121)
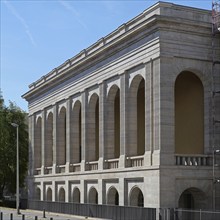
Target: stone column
(67,197)
(68,118)
(55,109)
(83,191)
(43,130)
(156,109)
(84,129)
(121,192)
(102,109)
(54,191)
(123,118)
(149,113)
(100,192)
(41,191)
(170,67)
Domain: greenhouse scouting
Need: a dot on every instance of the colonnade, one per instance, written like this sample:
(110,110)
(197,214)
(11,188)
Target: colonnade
(135,196)
(86,130)
(109,125)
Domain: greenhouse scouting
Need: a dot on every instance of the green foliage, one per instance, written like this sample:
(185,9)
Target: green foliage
(8,145)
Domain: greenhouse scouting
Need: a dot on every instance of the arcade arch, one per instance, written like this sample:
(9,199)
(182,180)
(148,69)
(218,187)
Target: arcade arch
(192,198)
(49,194)
(112,149)
(61,195)
(37,143)
(49,141)
(112,196)
(136,197)
(136,117)
(76,195)
(93,128)
(93,196)
(61,137)
(75,131)
(189,114)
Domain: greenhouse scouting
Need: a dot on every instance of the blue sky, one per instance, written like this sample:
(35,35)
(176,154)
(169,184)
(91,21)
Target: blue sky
(37,36)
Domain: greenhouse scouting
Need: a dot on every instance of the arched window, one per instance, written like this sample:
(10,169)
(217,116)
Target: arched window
(76,136)
(38,194)
(193,198)
(141,118)
(49,141)
(93,128)
(37,143)
(112,197)
(112,149)
(76,195)
(136,197)
(61,137)
(61,197)
(136,125)
(93,196)
(189,114)
(49,194)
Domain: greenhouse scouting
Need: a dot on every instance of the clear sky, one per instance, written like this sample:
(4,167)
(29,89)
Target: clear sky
(37,36)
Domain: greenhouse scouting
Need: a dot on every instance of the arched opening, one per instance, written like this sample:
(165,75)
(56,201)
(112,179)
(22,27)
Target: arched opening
(49,141)
(141,118)
(38,194)
(93,128)
(75,128)
(193,198)
(112,197)
(37,143)
(189,114)
(61,196)
(49,194)
(76,196)
(136,119)
(93,196)
(136,197)
(61,137)
(113,124)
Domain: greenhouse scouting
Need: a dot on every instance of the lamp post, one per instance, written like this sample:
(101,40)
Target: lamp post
(215,180)
(17,176)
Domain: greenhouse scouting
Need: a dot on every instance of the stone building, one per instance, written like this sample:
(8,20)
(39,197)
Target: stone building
(129,120)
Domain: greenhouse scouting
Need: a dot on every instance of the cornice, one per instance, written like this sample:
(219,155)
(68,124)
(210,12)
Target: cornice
(136,24)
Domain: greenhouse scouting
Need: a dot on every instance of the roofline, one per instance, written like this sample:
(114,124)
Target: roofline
(103,43)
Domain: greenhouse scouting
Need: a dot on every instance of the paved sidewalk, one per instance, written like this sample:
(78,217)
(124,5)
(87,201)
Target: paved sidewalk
(31,215)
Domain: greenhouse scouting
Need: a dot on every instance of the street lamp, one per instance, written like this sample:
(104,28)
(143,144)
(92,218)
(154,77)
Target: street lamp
(17,176)
(215,180)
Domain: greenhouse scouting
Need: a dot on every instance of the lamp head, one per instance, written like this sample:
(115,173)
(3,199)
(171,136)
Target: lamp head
(14,124)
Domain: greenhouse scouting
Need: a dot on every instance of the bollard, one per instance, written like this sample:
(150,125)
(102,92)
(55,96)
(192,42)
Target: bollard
(1,216)
(51,218)
(44,215)
(35,217)
(23,217)
(11,216)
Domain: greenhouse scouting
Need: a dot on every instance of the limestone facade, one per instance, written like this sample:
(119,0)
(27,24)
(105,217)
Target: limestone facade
(129,120)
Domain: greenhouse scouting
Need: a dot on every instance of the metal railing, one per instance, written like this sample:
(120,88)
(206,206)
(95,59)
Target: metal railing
(186,214)
(94,210)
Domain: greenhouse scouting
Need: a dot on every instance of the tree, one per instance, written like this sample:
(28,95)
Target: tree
(8,145)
